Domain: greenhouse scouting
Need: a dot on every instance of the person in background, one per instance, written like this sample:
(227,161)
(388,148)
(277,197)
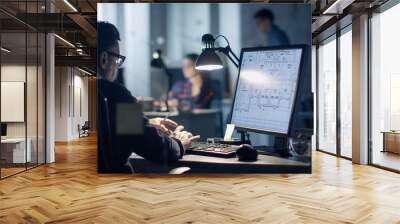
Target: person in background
(162,140)
(195,86)
(265,23)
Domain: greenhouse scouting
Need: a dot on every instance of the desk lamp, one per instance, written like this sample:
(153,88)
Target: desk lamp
(208,59)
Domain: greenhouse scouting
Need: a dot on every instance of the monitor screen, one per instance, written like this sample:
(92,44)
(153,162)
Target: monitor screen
(266,89)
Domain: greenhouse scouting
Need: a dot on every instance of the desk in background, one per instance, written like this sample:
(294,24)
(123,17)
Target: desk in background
(13,150)
(207,123)
(391,141)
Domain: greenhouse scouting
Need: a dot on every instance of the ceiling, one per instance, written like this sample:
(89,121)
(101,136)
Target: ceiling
(75,22)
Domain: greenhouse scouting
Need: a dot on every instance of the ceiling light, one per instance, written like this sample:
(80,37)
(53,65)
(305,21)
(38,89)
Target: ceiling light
(70,5)
(84,71)
(5,50)
(65,41)
(337,7)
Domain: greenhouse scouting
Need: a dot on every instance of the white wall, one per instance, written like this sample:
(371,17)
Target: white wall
(12,73)
(314,90)
(174,27)
(186,24)
(61,103)
(79,117)
(70,83)
(33,125)
(230,26)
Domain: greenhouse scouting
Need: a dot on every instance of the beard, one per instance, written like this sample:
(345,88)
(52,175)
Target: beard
(112,75)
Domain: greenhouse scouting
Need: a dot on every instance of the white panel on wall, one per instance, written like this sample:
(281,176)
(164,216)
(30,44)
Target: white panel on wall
(12,101)
(137,48)
(230,14)
(196,23)
(174,27)
(186,24)
(71,102)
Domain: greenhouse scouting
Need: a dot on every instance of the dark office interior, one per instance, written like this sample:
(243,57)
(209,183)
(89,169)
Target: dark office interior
(177,120)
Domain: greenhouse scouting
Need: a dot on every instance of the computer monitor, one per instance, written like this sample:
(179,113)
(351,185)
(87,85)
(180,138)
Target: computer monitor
(266,89)
(3,129)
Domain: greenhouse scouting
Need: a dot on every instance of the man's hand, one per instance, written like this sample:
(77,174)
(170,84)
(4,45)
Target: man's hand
(185,137)
(165,125)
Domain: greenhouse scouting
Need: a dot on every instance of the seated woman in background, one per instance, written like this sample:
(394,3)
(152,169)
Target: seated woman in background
(195,86)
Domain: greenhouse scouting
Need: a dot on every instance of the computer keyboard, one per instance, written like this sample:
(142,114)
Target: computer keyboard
(213,149)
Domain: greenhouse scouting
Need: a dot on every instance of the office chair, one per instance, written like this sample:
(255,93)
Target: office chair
(103,135)
(84,129)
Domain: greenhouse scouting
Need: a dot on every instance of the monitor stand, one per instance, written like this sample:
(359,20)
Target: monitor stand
(244,137)
(280,147)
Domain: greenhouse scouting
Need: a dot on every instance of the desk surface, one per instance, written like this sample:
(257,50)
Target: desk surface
(177,113)
(208,164)
(262,160)
(13,140)
(391,132)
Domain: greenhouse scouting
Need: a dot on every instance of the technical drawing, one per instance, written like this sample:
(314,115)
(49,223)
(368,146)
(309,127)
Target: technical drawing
(267,89)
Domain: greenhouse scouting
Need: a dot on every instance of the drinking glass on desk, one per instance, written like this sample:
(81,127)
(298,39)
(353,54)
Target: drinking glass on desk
(158,106)
(173,104)
(147,103)
(185,105)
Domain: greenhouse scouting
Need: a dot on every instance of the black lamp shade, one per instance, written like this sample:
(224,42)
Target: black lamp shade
(157,63)
(208,60)
(156,60)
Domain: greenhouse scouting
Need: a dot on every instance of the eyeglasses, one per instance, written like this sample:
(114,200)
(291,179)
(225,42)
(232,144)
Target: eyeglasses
(120,58)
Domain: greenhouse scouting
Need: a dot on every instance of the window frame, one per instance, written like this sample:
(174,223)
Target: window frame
(334,36)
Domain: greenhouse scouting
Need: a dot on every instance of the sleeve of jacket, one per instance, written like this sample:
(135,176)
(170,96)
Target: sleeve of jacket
(158,147)
(151,144)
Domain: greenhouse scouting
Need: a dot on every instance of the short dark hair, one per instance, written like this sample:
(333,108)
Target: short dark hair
(107,35)
(264,14)
(193,57)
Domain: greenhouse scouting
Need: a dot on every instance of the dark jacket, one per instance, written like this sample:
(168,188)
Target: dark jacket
(115,149)
(277,37)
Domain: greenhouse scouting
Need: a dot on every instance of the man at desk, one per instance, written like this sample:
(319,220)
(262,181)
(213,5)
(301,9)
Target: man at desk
(274,35)
(159,142)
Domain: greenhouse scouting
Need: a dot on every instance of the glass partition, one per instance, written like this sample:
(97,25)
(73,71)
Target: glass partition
(327,96)
(31,100)
(22,88)
(41,96)
(346,92)
(14,153)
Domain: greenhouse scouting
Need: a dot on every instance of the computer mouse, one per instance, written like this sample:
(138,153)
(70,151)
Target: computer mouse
(246,153)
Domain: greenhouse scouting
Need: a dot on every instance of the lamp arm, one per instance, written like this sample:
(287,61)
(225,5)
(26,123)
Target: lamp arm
(233,61)
(164,67)
(234,55)
(229,53)
(169,74)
